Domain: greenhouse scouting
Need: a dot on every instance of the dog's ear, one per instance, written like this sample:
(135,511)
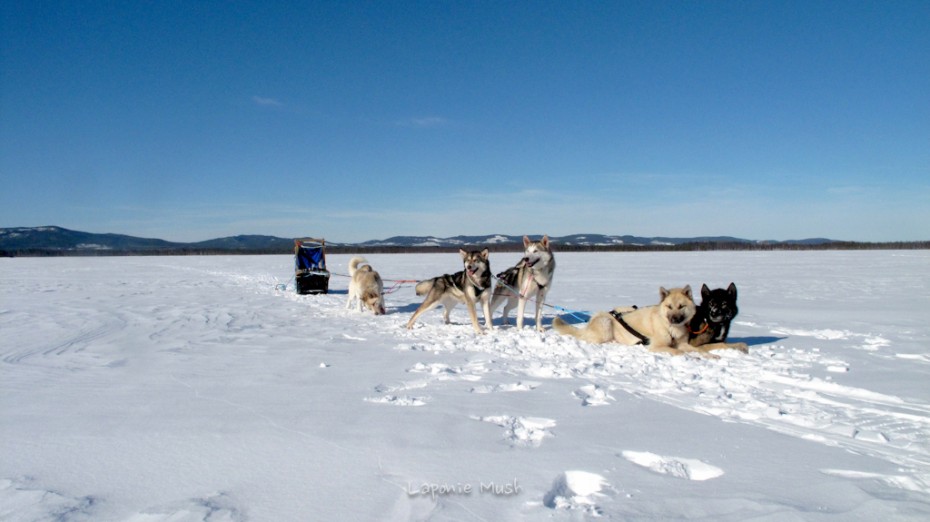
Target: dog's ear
(705,292)
(463,253)
(526,241)
(663,293)
(687,291)
(732,290)
(485,253)
(545,241)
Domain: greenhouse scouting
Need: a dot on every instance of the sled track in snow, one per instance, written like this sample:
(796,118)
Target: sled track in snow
(89,332)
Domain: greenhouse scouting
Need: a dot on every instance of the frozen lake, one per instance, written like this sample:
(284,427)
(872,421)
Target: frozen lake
(190,388)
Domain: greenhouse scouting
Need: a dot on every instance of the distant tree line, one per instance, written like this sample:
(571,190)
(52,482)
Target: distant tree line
(111,252)
(702,246)
(709,246)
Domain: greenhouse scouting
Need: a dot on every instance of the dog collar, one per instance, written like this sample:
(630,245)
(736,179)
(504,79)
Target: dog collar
(702,330)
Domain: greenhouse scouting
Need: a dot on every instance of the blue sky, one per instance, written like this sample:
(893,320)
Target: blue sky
(188,121)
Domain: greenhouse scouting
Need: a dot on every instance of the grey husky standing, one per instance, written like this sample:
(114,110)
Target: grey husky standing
(471,285)
(532,276)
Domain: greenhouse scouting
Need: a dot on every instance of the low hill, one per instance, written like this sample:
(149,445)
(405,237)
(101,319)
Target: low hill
(54,240)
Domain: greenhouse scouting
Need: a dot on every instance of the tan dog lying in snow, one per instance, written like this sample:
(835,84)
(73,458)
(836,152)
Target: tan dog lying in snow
(661,328)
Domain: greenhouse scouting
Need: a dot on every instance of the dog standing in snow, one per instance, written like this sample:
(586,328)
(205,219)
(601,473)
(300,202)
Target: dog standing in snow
(470,286)
(532,276)
(365,286)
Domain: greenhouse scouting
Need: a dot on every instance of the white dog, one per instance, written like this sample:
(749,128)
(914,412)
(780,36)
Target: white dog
(365,286)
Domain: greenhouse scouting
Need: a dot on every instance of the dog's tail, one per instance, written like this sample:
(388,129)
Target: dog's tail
(566,329)
(423,287)
(353,264)
(593,332)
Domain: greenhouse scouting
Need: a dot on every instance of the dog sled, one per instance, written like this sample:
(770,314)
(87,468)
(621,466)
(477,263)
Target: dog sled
(311,275)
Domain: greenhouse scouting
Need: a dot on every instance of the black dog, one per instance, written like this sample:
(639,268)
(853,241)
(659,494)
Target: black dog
(711,323)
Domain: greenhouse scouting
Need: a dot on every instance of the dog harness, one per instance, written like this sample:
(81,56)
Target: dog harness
(643,340)
(530,276)
(509,280)
(478,287)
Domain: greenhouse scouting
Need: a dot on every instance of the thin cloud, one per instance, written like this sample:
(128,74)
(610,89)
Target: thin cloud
(425,122)
(266,102)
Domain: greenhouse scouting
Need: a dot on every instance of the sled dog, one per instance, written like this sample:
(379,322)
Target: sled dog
(661,328)
(532,276)
(711,322)
(471,285)
(365,286)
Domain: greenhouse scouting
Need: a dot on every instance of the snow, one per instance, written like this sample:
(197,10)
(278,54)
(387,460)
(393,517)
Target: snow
(690,469)
(190,388)
(91,246)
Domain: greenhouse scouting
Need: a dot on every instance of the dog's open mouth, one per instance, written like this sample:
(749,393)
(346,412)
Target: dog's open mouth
(527,262)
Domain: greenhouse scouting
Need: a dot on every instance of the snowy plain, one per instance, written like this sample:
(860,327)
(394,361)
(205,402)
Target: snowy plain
(192,389)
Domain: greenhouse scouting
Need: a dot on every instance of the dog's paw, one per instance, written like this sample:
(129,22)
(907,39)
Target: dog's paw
(743,347)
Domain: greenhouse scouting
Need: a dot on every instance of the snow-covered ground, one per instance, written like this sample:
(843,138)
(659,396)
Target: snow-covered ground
(189,388)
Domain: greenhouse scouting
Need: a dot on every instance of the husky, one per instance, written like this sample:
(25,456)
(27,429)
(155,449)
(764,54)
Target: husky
(531,276)
(711,323)
(471,285)
(661,328)
(365,286)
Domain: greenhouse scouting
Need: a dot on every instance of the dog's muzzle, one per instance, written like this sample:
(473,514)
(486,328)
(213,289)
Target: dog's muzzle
(720,315)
